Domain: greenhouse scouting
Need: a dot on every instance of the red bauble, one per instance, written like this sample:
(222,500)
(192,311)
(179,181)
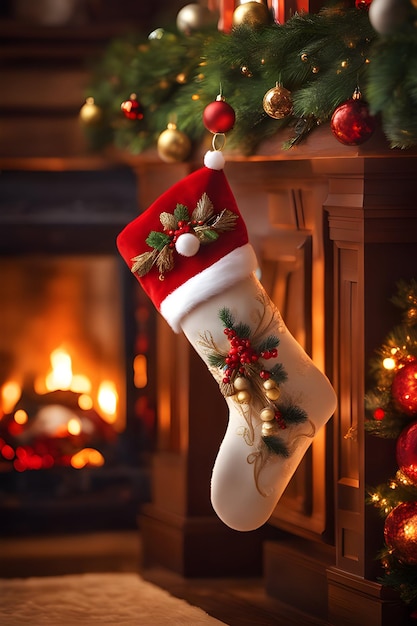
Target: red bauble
(363,4)
(404,388)
(218,116)
(401,532)
(407,452)
(132,108)
(351,123)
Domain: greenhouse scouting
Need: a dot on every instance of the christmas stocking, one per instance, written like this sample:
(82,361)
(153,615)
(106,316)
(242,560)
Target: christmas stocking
(190,252)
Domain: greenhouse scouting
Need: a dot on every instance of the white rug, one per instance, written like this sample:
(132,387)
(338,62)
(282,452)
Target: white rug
(122,599)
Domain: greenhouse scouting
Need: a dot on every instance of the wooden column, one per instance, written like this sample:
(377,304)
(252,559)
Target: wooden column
(373,226)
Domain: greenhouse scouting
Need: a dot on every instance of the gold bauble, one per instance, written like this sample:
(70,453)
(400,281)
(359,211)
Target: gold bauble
(173,145)
(273,394)
(277,102)
(267,428)
(269,384)
(90,113)
(240,383)
(253,14)
(194,17)
(267,414)
(243,397)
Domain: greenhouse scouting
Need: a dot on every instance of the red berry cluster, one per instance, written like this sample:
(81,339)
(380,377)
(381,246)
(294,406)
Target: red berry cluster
(183,227)
(240,354)
(280,420)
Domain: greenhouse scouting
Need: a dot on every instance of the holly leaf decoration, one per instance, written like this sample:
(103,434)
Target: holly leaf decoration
(181,213)
(206,235)
(157,240)
(168,221)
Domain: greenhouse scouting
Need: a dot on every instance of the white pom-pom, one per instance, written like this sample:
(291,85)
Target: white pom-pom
(187,244)
(214,160)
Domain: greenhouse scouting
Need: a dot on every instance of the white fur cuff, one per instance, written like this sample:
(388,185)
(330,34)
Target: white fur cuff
(235,266)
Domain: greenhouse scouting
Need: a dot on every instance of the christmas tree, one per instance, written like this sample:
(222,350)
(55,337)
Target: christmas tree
(392,413)
(350,66)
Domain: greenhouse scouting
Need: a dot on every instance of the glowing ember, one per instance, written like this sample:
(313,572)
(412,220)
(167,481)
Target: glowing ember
(87,456)
(10,395)
(107,398)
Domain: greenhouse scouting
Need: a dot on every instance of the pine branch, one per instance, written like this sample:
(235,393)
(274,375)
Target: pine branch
(268,344)
(243,330)
(276,445)
(292,414)
(278,373)
(216,360)
(226,318)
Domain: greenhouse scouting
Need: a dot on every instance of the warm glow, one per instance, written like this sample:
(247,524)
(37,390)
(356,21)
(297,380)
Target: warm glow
(389,363)
(410,529)
(87,456)
(61,375)
(140,371)
(107,399)
(85,402)
(74,426)
(80,384)
(20,417)
(10,395)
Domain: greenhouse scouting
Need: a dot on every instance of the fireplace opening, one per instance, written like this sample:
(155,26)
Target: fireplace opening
(76,384)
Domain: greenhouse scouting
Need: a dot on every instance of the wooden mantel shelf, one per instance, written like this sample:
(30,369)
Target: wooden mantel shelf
(320,144)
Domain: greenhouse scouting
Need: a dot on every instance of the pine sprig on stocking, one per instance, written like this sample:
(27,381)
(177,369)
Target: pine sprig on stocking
(292,414)
(276,445)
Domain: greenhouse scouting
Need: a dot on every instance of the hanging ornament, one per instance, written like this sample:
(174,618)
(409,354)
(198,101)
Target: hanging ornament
(363,4)
(194,17)
(253,14)
(404,388)
(400,532)
(388,16)
(90,113)
(157,33)
(245,71)
(351,122)
(173,145)
(219,116)
(277,102)
(132,108)
(407,452)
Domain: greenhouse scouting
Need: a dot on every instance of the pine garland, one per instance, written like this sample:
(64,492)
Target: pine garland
(321,58)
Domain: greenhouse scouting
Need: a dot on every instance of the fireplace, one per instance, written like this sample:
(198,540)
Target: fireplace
(76,345)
